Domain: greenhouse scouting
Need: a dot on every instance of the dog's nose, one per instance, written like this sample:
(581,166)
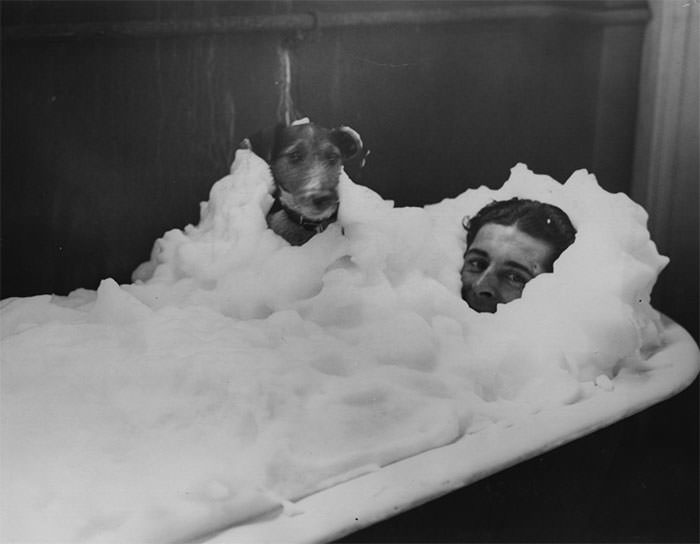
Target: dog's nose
(321,201)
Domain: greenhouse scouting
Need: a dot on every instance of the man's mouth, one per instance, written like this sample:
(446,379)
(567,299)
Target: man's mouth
(479,304)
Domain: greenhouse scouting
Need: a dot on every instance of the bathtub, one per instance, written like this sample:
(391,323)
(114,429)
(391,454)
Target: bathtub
(368,499)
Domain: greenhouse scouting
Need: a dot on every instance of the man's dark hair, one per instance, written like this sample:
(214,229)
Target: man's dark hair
(537,219)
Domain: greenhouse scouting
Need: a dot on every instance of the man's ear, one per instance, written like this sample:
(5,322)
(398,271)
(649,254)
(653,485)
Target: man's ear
(348,141)
(262,143)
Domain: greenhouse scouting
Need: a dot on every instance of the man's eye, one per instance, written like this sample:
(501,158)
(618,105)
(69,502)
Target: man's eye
(516,278)
(476,265)
(332,158)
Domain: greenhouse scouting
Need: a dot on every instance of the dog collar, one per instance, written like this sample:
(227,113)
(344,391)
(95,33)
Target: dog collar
(316,225)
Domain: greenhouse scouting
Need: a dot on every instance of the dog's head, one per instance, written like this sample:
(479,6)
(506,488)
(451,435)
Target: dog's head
(306,161)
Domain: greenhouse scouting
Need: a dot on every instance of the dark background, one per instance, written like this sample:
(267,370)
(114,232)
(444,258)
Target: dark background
(110,139)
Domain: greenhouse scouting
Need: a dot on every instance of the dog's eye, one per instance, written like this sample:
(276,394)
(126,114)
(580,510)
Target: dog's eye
(295,156)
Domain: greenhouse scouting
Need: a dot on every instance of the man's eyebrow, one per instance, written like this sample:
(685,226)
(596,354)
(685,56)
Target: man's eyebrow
(519,266)
(478,251)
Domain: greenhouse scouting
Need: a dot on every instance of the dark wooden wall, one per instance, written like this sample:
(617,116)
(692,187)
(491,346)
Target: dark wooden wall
(110,140)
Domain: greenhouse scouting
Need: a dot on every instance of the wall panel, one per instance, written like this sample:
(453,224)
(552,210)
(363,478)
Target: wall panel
(113,134)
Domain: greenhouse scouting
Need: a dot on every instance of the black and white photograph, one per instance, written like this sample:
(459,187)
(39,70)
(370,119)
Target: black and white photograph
(349,271)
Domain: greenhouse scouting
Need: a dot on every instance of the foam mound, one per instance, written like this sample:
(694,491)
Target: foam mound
(237,372)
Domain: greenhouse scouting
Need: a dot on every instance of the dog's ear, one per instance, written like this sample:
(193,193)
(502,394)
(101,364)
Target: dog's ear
(262,143)
(348,141)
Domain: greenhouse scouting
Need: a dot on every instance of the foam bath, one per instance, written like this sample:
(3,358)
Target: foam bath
(239,373)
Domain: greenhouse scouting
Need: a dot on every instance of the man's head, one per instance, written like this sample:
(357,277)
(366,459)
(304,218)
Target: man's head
(509,243)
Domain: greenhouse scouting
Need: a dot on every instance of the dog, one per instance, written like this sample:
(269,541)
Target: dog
(305,160)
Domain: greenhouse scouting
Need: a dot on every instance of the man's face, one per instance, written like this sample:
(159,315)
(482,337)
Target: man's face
(498,264)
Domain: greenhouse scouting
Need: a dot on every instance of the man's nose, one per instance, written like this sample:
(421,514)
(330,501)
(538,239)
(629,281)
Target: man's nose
(485,285)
